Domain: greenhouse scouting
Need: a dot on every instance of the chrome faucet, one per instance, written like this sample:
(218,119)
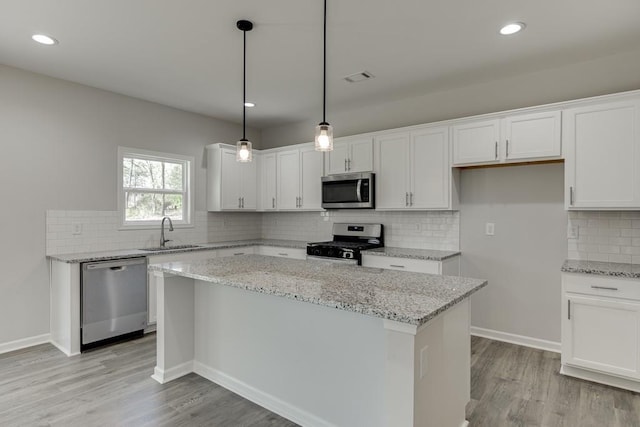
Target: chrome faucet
(162,239)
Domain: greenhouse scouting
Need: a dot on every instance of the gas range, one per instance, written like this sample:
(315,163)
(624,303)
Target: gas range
(349,239)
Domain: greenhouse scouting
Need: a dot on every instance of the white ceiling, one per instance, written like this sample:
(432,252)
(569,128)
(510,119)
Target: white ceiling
(188,53)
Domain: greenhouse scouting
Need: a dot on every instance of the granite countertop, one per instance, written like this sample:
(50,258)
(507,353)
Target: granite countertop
(602,268)
(426,254)
(406,297)
(134,253)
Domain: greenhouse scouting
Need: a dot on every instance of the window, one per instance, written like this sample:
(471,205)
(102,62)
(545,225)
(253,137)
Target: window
(154,185)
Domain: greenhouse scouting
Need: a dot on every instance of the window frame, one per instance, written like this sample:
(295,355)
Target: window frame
(188,211)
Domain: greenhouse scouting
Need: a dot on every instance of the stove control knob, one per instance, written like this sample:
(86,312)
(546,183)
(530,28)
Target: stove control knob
(348,255)
(332,252)
(316,251)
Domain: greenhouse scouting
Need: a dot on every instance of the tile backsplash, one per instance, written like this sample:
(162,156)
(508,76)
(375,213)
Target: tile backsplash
(99,230)
(605,236)
(419,230)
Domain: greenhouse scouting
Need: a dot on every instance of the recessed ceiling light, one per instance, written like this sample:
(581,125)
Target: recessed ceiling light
(512,28)
(44,39)
(249,104)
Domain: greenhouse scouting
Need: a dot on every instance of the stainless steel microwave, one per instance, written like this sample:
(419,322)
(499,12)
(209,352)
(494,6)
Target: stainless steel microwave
(348,191)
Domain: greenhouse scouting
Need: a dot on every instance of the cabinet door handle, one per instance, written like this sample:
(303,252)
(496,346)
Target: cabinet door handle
(243,202)
(411,199)
(569,309)
(283,254)
(571,196)
(239,202)
(349,164)
(300,201)
(496,150)
(273,202)
(507,150)
(406,199)
(345,165)
(396,266)
(608,288)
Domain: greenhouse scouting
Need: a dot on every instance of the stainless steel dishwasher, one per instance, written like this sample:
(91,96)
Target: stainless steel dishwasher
(114,301)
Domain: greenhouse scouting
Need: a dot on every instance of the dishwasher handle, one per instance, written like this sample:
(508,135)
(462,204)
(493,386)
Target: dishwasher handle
(115,265)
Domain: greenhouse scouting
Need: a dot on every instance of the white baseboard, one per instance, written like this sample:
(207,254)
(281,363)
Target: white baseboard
(24,343)
(63,349)
(171,374)
(259,397)
(516,339)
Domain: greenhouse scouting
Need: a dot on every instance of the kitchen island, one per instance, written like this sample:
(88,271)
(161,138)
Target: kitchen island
(320,343)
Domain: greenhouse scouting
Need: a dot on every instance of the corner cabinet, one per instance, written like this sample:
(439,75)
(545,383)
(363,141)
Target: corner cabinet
(602,167)
(601,329)
(512,139)
(350,155)
(298,181)
(414,172)
(231,185)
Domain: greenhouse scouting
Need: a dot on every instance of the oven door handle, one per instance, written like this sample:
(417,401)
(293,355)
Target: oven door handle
(358,190)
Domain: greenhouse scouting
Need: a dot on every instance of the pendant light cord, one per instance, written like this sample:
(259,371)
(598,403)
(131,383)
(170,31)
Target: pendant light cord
(324,65)
(244,82)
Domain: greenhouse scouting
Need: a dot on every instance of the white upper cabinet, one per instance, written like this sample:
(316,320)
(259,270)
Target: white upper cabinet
(350,155)
(413,170)
(512,139)
(476,142)
(299,174)
(231,185)
(269,181)
(602,166)
(532,136)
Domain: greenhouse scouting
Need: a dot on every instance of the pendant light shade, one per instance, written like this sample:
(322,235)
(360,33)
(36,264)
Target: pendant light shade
(324,131)
(243,147)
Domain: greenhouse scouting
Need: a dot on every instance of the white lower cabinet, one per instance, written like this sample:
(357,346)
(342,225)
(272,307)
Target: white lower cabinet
(601,329)
(447,267)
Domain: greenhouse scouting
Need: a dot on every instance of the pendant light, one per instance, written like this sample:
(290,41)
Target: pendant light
(324,131)
(243,147)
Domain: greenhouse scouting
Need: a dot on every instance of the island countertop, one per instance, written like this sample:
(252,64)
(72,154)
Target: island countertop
(412,298)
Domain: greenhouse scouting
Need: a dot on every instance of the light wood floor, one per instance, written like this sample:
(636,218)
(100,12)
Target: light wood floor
(519,386)
(511,386)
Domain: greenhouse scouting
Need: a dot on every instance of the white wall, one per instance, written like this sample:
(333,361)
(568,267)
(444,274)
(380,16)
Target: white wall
(522,260)
(59,143)
(615,73)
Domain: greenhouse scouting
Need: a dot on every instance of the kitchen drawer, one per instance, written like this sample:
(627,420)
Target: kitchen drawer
(182,256)
(292,253)
(402,264)
(604,286)
(242,250)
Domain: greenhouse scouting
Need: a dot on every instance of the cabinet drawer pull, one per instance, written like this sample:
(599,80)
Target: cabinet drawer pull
(239,253)
(496,150)
(406,199)
(507,149)
(571,196)
(396,266)
(349,164)
(411,199)
(273,202)
(609,288)
(283,254)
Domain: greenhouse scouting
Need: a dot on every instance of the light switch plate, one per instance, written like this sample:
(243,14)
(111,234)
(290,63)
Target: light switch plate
(77,229)
(489,228)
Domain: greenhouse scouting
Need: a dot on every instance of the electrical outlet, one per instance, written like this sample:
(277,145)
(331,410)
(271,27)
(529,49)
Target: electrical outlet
(490,228)
(572,232)
(76,229)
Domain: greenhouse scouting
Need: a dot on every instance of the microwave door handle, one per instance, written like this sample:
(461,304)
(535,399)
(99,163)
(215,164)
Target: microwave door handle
(358,190)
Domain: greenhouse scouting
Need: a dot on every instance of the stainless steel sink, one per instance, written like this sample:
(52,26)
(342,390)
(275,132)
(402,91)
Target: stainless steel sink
(169,248)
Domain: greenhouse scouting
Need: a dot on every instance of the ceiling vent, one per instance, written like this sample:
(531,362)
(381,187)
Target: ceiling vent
(359,77)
